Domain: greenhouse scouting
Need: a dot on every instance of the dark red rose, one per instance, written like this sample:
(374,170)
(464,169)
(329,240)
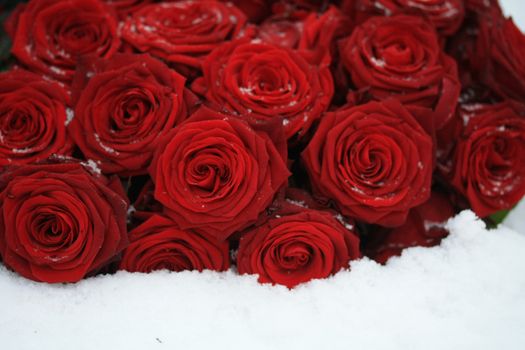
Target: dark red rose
(261,82)
(445,15)
(124,106)
(400,57)
(59,222)
(373,160)
(499,59)
(183,32)
(296,246)
(425,227)
(215,174)
(159,244)
(125,7)
(51,35)
(33,118)
(487,164)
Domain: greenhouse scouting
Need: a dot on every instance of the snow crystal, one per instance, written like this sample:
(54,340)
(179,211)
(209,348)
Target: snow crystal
(70,114)
(92,166)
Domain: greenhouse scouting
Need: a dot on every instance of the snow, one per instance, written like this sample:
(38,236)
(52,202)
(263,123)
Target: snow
(468,293)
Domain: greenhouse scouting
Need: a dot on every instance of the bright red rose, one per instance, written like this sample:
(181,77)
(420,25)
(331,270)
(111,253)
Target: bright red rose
(280,31)
(487,164)
(124,106)
(499,59)
(183,32)
(425,227)
(445,15)
(51,35)
(297,245)
(59,222)
(262,82)
(159,244)
(215,174)
(400,57)
(373,160)
(33,118)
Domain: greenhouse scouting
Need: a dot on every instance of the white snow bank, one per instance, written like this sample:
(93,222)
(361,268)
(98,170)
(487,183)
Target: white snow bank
(469,293)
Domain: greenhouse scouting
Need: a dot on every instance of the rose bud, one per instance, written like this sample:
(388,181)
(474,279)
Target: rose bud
(159,244)
(297,245)
(215,174)
(33,118)
(51,35)
(262,82)
(184,32)
(487,164)
(124,105)
(400,56)
(445,15)
(425,227)
(59,222)
(373,160)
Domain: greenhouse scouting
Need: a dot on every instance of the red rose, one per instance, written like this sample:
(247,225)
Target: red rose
(483,6)
(425,227)
(487,164)
(262,82)
(58,222)
(33,118)
(51,35)
(216,174)
(500,57)
(373,160)
(296,245)
(158,244)
(400,56)
(183,32)
(445,15)
(124,106)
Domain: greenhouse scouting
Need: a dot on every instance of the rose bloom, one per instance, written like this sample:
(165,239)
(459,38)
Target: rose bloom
(262,82)
(297,245)
(183,32)
(487,164)
(59,222)
(49,36)
(124,106)
(499,58)
(158,244)
(445,15)
(373,160)
(33,118)
(215,174)
(425,227)
(400,57)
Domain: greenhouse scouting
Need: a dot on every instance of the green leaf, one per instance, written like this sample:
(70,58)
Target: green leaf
(497,218)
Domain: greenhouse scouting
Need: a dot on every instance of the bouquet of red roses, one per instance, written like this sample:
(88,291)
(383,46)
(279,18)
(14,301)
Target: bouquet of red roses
(284,137)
